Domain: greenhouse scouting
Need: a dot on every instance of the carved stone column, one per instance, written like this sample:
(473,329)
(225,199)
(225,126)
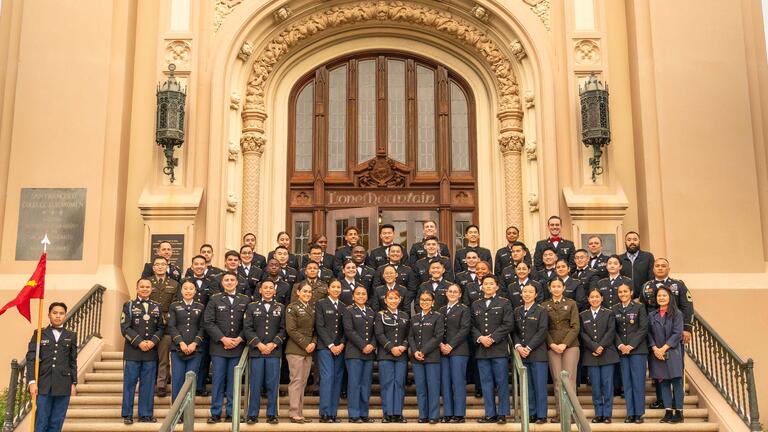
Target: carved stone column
(252,142)
(511,143)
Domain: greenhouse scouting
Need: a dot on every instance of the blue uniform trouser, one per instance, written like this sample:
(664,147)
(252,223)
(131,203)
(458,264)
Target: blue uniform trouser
(392,379)
(537,388)
(427,377)
(331,370)
(205,364)
(145,372)
(265,372)
(179,368)
(633,369)
(51,411)
(601,378)
(494,373)
(223,380)
(360,377)
(669,388)
(453,372)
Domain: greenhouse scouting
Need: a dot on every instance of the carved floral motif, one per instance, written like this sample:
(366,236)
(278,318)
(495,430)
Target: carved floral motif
(511,142)
(231,203)
(221,9)
(234,100)
(529,99)
(382,172)
(541,8)
(178,52)
(586,52)
(253,143)
(533,202)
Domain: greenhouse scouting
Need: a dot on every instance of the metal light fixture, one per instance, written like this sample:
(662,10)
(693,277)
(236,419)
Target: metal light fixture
(169,130)
(595,124)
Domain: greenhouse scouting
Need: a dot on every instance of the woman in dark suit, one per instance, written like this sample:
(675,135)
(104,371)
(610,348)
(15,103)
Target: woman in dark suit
(391,327)
(284,240)
(330,351)
(631,335)
(573,287)
(666,364)
(359,355)
(598,335)
(424,340)
(530,341)
(514,290)
(455,354)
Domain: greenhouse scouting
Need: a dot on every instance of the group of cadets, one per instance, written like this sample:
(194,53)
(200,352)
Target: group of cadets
(329,316)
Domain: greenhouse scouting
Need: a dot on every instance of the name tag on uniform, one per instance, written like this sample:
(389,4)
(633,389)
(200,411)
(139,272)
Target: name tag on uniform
(44,341)
(427,324)
(565,307)
(587,321)
(532,318)
(221,308)
(330,312)
(257,313)
(302,312)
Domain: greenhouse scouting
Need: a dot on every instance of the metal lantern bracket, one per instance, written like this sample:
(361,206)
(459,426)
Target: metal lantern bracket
(595,122)
(169,130)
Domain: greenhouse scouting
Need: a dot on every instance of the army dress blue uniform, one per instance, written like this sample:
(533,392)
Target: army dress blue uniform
(57,375)
(426,334)
(141,320)
(224,318)
(421,268)
(531,327)
(598,329)
(610,289)
(632,330)
(457,320)
(574,290)
(358,330)
(565,250)
(330,331)
(264,322)
(185,324)
(418,252)
(206,287)
(377,299)
(438,288)
(515,290)
(503,259)
(493,317)
(392,329)
(460,261)
(380,256)
(405,277)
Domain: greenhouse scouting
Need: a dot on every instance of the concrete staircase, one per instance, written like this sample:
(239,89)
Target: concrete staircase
(97,408)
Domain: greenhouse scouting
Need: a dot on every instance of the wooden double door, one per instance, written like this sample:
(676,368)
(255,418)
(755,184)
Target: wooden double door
(407,223)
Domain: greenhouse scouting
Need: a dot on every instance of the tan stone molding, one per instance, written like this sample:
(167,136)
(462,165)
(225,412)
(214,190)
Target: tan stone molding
(586,52)
(221,9)
(178,52)
(245,51)
(541,8)
(480,13)
(282,14)
(518,50)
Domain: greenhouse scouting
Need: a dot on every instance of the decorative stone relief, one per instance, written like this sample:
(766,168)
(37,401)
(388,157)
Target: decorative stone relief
(231,203)
(462,198)
(541,8)
(511,142)
(533,202)
(245,51)
(234,151)
(586,52)
(283,13)
(301,199)
(480,13)
(221,9)
(530,150)
(234,101)
(529,100)
(253,143)
(518,50)
(178,52)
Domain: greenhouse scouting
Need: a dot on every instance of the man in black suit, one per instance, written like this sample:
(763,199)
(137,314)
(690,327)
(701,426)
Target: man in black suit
(418,251)
(504,256)
(472,234)
(597,259)
(636,264)
(165,250)
(380,256)
(206,251)
(249,269)
(564,248)
(57,376)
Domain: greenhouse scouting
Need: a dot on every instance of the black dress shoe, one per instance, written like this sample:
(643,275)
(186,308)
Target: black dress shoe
(252,420)
(213,419)
(501,420)
(228,419)
(367,420)
(677,417)
(457,419)
(400,419)
(478,394)
(446,419)
(656,405)
(540,420)
(386,419)
(272,420)
(629,419)
(607,420)
(433,421)
(161,392)
(639,419)
(667,417)
(128,420)
(486,419)
(597,420)
(148,419)
(343,395)
(335,419)
(354,420)
(422,420)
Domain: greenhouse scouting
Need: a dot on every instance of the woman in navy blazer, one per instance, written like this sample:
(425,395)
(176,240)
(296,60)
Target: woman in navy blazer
(665,331)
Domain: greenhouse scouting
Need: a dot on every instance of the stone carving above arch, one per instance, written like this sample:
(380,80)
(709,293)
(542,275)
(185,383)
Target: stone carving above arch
(442,21)
(541,8)
(221,9)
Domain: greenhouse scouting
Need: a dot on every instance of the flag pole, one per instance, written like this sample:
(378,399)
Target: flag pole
(40,301)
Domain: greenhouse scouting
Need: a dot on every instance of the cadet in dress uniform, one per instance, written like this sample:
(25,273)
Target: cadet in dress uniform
(427,329)
(421,268)
(359,354)
(264,331)
(287,273)
(573,287)
(636,264)
(319,288)
(344,252)
(165,250)
(547,271)
(598,337)
(321,257)
(282,289)
(284,241)
(418,251)
(142,325)
(316,255)
(205,288)
(492,322)
(515,290)
(530,341)
(391,327)
(380,256)
(472,235)
(405,275)
(631,335)
(470,273)
(258,259)
(348,282)
(223,321)
(507,256)
(597,259)
(436,284)
(164,290)
(473,291)
(364,274)
(249,270)
(57,375)
(378,300)
(610,284)
(454,349)
(563,248)
(231,265)
(330,351)
(185,327)
(584,274)
(210,271)
(302,341)
(562,337)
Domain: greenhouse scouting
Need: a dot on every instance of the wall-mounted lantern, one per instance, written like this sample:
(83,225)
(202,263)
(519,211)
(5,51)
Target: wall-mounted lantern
(169,129)
(595,124)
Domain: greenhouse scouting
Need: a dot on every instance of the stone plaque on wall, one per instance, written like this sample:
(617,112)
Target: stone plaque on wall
(609,242)
(58,212)
(177,243)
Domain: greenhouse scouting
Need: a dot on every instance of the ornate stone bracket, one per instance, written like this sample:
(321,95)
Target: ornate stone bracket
(245,51)
(518,50)
(221,9)
(541,8)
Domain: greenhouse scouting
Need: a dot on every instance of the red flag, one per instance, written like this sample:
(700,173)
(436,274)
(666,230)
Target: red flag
(35,288)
